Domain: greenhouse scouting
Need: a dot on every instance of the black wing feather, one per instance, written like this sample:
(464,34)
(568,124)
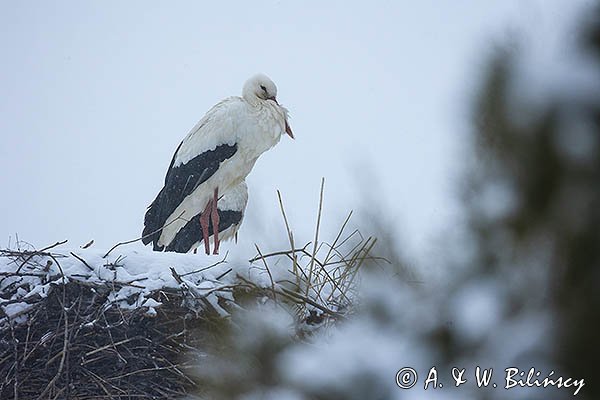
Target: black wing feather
(180,182)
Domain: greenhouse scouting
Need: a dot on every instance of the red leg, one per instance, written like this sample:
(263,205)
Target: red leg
(204,218)
(215,221)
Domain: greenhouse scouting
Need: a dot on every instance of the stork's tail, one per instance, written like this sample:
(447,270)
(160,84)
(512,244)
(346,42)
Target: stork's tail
(153,223)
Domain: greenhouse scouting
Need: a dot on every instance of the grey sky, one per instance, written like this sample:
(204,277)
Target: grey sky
(97,95)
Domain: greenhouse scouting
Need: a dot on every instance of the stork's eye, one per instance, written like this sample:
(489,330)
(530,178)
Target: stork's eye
(263,88)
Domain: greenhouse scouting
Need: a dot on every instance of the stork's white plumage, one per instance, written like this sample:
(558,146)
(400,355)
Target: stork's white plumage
(216,156)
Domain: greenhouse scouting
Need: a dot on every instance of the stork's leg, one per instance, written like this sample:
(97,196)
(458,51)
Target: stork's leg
(204,221)
(215,221)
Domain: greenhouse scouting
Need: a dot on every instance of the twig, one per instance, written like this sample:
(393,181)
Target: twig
(224,273)
(113,345)
(312,303)
(110,336)
(209,267)
(192,290)
(39,252)
(141,371)
(16,365)
(83,261)
(22,274)
(176,276)
(63,353)
(142,237)
(280,253)
(314,255)
(290,238)
(296,297)
(101,381)
(88,244)
(59,268)
(268,272)
(339,235)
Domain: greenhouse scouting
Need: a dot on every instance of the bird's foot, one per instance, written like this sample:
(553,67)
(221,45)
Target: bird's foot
(215,220)
(204,221)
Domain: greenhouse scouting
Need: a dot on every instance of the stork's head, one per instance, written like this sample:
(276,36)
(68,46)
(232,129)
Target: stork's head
(261,88)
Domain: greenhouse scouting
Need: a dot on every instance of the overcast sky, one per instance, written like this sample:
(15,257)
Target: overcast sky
(96,96)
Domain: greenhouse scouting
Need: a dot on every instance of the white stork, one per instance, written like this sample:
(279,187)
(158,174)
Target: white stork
(215,157)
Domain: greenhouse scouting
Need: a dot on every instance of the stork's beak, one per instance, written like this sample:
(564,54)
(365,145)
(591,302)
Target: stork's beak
(288,130)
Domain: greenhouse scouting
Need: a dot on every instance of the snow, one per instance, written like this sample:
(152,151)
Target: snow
(137,274)
(354,362)
(12,310)
(477,310)
(151,304)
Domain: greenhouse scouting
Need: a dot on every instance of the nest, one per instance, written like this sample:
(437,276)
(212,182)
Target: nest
(75,338)
(72,347)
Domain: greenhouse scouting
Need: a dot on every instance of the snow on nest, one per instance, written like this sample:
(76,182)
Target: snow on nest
(134,277)
(132,274)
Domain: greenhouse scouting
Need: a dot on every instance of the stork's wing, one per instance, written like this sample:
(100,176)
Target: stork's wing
(196,159)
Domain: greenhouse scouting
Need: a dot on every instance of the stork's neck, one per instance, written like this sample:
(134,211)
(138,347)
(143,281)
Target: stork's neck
(253,100)
(265,132)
